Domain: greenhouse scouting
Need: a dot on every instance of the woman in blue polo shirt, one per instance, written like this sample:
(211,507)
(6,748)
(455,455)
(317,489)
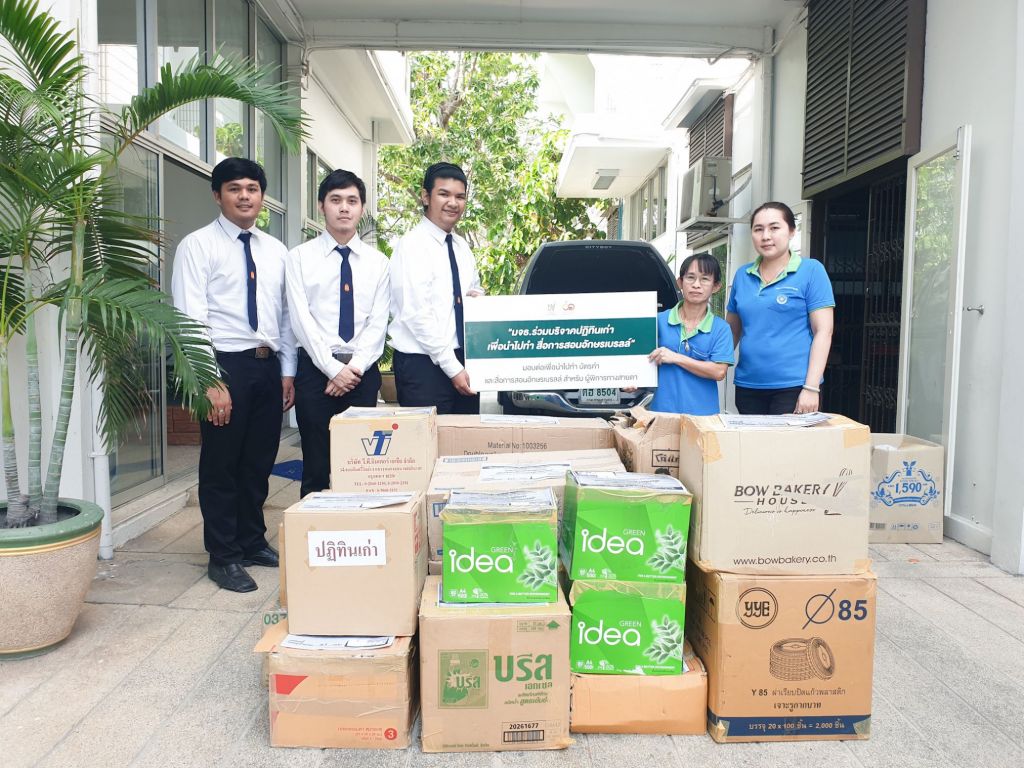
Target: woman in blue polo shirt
(780,312)
(696,347)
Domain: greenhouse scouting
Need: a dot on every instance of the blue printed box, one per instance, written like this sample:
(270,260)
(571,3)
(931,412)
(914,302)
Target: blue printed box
(907,497)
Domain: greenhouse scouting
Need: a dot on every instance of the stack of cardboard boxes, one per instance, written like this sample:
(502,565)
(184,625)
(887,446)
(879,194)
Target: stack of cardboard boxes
(494,628)
(623,544)
(343,666)
(778,599)
(781,603)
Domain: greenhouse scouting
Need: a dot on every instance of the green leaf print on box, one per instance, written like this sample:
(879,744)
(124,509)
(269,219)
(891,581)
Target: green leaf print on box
(668,641)
(671,551)
(541,568)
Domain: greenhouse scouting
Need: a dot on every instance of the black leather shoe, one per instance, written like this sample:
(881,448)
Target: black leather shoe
(266,556)
(231,576)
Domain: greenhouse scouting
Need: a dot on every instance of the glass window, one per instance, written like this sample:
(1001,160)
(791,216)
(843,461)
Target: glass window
(269,153)
(645,212)
(721,253)
(181,35)
(231,37)
(271,222)
(119,51)
(655,207)
(316,172)
(139,456)
(663,198)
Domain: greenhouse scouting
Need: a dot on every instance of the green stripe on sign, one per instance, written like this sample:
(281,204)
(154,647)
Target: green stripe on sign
(492,339)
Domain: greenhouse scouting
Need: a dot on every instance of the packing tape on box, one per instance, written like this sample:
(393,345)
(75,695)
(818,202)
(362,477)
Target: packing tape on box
(855,437)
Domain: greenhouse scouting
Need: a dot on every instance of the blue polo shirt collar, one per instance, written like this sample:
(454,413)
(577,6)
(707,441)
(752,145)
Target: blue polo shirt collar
(791,266)
(674,318)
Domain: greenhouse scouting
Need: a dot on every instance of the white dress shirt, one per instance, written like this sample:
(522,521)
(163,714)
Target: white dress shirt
(313,274)
(423,311)
(209,285)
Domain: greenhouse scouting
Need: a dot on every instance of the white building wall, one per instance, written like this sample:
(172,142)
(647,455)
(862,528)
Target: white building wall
(961,87)
(332,137)
(986,92)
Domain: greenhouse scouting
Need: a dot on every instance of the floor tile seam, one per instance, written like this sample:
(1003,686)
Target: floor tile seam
(77,656)
(142,660)
(905,652)
(910,723)
(232,748)
(930,557)
(954,637)
(1000,594)
(956,599)
(199,678)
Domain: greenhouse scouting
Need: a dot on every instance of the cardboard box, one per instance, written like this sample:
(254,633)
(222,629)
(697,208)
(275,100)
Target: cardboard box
(346,697)
(463,435)
(789,500)
(383,450)
(500,547)
(625,527)
(625,628)
(282,593)
(356,563)
(507,472)
(638,704)
(648,441)
(434,567)
(906,490)
(788,657)
(494,677)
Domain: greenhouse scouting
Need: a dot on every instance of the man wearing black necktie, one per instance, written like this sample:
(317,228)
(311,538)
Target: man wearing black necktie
(338,300)
(229,276)
(432,273)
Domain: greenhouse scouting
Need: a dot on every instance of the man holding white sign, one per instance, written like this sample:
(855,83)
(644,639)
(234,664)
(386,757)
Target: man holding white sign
(432,271)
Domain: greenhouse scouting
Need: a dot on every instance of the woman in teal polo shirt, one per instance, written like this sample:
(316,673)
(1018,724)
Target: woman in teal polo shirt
(780,312)
(695,347)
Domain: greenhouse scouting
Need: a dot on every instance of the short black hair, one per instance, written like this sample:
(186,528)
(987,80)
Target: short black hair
(706,265)
(785,210)
(341,179)
(443,171)
(235,168)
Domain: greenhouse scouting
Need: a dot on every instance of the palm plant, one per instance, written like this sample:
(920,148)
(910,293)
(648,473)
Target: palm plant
(67,252)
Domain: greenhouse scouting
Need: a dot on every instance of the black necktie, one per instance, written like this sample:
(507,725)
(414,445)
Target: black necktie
(460,333)
(250,279)
(347,304)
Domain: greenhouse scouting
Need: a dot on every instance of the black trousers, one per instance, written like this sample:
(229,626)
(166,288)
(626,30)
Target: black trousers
(419,383)
(767,402)
(235,460)
(313,411)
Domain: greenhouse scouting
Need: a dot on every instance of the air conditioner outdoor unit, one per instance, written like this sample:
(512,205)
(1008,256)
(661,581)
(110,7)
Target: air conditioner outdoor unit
(704,195)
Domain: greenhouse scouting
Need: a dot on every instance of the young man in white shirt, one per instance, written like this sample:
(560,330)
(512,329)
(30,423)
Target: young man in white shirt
(339,298)
(432,271)
(229,276)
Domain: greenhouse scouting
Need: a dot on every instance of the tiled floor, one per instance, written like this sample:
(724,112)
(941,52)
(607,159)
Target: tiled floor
(160,672)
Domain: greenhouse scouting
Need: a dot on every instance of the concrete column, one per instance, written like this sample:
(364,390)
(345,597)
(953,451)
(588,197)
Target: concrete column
(1008,515)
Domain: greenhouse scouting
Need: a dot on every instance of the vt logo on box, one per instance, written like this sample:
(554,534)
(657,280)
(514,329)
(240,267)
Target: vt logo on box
(910,485)
(378,444)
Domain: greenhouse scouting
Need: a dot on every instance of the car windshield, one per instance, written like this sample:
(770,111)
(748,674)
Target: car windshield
(597,268)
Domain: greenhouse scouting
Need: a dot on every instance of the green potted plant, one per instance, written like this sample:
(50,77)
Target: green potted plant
(69,256)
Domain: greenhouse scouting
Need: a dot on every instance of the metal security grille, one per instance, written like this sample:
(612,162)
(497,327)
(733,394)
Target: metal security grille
(883,299)
(865,77)
(862,239)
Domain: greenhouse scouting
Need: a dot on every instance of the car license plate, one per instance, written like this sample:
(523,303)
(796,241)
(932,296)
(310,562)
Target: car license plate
(599,397)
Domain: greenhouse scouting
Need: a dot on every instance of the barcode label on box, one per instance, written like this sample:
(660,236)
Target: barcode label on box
(522,737)
(877,526)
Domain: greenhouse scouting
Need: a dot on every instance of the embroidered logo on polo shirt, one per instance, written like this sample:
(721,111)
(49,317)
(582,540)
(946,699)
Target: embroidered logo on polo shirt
(781,298)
